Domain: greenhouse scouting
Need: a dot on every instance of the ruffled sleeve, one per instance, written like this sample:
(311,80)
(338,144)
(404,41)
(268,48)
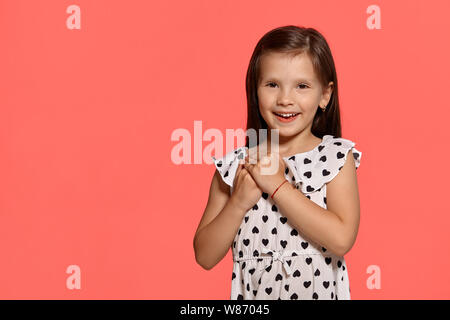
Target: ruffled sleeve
(228,164)
(312,171)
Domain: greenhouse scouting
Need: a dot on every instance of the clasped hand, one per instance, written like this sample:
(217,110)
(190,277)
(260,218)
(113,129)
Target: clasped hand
(267,171)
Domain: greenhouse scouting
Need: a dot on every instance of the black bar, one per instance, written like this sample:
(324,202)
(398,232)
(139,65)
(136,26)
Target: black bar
(224,309)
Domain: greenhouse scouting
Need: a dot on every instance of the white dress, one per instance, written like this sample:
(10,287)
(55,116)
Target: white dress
(273,260)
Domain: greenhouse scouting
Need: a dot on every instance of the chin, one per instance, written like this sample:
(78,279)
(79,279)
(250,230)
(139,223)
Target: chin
(286,132)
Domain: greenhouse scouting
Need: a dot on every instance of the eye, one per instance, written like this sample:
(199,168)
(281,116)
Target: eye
(300,84)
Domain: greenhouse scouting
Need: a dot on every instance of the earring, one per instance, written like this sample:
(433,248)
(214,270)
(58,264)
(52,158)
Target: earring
(323,109)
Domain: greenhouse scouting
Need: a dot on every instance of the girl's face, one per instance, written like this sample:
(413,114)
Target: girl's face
(289,85)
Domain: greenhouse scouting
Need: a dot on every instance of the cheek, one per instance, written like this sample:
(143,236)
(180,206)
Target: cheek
(265,105)
(264,99)
(311,111)
(308,105)
(307,101)
(265,113)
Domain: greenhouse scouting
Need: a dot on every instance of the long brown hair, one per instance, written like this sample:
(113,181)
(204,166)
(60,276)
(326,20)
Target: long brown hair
(294,40)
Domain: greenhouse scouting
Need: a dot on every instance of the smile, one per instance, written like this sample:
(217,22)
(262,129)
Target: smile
(286,117)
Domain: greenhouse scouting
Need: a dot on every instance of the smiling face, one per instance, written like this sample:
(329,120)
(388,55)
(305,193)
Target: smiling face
(288,85)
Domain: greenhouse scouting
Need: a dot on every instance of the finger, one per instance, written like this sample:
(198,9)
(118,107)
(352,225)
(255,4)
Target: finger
(247,159)
(249,167)
(265,160)
(253,157)
(240,165)
(239,168)
(263,152)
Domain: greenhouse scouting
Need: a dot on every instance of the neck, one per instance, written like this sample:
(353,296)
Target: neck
(290,145)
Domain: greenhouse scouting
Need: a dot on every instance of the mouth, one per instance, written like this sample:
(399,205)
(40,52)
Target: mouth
(286,117)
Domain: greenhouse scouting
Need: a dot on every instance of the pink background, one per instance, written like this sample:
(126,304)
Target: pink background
(86,118)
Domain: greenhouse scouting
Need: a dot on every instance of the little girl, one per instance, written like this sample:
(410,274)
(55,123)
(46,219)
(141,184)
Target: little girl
(289,230)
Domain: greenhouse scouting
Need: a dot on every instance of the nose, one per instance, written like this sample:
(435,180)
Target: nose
(284,98)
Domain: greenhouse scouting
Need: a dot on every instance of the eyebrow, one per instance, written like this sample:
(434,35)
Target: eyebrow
(296,80)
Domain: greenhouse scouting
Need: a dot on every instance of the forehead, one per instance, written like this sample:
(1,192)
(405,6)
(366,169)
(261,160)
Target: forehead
(282,65)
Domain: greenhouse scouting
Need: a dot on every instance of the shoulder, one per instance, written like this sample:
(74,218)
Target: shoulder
(336,150)
(227,165)
(313,170)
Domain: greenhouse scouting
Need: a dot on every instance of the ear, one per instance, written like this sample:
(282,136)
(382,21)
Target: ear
(326,94)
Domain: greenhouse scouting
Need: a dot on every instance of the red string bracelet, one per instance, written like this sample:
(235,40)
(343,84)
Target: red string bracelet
(277,189)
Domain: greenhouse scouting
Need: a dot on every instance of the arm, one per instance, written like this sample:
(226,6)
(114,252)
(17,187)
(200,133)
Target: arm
(336,227)
(218,226)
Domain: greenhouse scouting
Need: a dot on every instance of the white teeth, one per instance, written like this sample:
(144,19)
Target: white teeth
(286,115)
